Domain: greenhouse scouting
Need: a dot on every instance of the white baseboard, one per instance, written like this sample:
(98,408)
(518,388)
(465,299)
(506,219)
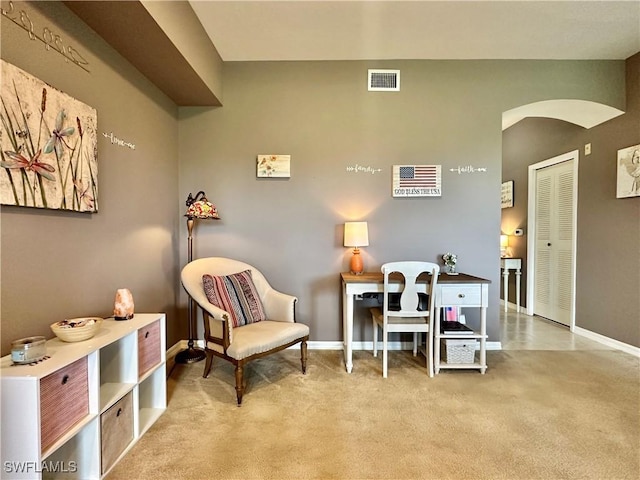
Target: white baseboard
(511,306)
(329,345)
(182,345)
(610,342)
(317,345)
(337,345)
(332,345)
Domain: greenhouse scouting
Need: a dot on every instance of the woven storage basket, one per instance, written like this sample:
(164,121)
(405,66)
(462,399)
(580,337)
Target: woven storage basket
(459,350)
(64,400)
(148,348)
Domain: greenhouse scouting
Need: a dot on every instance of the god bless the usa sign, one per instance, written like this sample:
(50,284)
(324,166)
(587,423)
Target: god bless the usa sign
(417,180)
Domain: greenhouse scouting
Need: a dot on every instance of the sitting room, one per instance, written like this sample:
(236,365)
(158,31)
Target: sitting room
(202,204)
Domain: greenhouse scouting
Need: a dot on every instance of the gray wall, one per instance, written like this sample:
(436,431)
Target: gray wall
(447,113)
(608,235)
(58,265)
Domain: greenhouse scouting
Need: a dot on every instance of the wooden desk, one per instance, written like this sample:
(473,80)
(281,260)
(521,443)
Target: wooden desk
(460,290)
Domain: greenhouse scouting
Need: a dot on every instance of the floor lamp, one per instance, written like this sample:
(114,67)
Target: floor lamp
(197,207)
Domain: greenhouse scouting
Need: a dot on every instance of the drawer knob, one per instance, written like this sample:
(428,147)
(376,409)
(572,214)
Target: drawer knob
(461,295)
(146,335)
(119,412)
(65,379)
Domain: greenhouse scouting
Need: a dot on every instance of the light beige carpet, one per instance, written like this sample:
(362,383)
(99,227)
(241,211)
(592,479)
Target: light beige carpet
(533,415)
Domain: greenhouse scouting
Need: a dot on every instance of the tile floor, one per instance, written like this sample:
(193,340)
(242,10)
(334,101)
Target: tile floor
(523,332)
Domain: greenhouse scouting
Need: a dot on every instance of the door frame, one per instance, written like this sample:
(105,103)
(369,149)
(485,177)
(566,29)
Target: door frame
(531,237)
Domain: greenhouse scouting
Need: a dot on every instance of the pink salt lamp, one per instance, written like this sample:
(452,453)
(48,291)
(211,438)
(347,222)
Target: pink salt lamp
(123,306)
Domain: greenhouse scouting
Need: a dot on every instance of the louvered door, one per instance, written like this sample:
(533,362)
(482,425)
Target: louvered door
(554,254)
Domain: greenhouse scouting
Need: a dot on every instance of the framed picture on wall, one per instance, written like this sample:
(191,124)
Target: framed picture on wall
(628,172)
(506,197)
(273,166)
(417,181)
(48,146)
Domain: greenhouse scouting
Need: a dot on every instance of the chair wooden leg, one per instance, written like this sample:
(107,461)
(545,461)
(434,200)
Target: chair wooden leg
(207,364)
(239,382)
(415,344)
(303,355)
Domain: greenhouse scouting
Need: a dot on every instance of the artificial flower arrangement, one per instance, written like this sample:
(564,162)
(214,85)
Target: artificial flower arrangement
(450,260)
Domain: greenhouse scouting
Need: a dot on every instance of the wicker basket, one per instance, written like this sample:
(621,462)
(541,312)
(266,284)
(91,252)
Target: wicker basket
(459,350)
(66,333)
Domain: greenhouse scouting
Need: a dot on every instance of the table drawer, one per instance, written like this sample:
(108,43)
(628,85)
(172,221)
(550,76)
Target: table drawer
(461,295)
(64,400)
(117,430)
(149,354)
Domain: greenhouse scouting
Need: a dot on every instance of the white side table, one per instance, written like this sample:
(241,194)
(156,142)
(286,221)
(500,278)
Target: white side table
(507,264)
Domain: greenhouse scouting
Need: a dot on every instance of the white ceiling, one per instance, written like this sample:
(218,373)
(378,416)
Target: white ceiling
(245,30)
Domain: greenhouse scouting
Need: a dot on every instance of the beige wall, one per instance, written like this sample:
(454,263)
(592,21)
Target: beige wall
(608,235)
(320,113)
(58,265)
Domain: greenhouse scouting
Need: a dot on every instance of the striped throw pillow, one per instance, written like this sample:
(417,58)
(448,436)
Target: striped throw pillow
(236,294)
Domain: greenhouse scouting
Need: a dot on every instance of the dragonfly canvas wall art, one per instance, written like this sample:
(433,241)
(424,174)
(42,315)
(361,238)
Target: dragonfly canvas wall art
(48,146)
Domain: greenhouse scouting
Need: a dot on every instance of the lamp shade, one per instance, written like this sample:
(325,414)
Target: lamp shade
(504,241)
(356,234)
(200,207)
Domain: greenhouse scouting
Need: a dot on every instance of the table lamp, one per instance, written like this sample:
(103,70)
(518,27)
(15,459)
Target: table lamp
(356,235)
(504,245)
(198,207)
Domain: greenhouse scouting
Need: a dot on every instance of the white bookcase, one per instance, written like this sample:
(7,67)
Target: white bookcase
(75,414)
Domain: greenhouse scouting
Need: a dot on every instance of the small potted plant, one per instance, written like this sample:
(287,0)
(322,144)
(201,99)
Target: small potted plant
(450,260)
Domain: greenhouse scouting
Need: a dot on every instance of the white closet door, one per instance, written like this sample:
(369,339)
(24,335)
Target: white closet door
(554,242)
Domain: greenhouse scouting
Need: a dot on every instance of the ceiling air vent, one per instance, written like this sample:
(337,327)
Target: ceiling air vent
(384,80)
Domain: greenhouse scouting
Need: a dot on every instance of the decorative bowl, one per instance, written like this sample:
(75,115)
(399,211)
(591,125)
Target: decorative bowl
(76,329)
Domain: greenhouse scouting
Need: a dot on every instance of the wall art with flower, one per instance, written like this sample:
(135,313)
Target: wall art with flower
(628,172)
(48,146)
(274,166)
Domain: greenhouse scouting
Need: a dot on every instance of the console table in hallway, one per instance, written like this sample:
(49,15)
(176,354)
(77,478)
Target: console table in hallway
(507,264)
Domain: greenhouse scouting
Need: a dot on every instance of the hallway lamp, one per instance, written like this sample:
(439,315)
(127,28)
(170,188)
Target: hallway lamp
(198,207)
(356,234)
(504,246)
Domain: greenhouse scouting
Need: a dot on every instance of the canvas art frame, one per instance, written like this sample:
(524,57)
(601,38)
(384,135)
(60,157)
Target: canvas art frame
(417,181)
(273,166)
(628,174)
(506,194)
(48,146)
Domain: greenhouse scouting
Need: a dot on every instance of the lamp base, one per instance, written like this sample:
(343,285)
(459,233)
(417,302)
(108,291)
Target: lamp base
(356,265)
(190,355)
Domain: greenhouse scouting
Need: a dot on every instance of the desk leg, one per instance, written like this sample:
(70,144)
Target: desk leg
(483,340)
(436,341)
(518,275)
(505,277)
(347,330)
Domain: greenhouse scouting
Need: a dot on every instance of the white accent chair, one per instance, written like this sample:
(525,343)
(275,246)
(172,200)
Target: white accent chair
(240,345)
(409,316)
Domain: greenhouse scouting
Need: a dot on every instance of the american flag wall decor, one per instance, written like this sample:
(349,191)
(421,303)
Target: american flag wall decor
(417,180)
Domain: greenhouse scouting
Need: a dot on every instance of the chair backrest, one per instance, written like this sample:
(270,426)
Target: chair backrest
(192,273)
(410,301)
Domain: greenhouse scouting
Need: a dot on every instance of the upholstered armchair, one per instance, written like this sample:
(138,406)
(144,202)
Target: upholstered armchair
(244,317)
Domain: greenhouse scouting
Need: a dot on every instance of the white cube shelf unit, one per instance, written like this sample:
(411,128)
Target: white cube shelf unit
(76,413)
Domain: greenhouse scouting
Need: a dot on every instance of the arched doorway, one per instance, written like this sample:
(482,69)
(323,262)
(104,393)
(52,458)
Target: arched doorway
(578,115)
